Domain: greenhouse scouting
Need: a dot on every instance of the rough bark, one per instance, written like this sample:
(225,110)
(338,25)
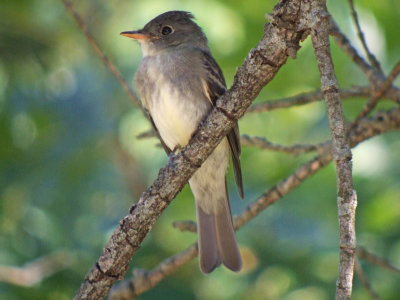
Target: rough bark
(347,197)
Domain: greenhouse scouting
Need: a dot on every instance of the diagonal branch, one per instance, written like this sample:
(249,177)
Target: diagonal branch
(364,281)
(260,66)
(107,62)
(372,59)
(347,198)
(370,105)
(373,259)
(346,46)
(367,128)
(376,80)
(144,280)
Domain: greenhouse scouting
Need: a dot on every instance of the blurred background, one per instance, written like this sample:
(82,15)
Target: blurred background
(71,165)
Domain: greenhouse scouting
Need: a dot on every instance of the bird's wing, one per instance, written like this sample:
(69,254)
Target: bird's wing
(215,87)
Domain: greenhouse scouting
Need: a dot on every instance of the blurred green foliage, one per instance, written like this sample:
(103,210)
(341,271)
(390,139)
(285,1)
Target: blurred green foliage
(71,166)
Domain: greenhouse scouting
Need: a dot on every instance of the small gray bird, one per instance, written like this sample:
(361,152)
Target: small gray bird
(179,82)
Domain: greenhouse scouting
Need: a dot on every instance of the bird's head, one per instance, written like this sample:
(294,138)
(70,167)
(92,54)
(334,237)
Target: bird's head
(169,30)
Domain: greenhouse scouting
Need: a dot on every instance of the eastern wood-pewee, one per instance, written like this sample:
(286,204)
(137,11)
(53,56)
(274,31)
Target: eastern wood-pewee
(179,82)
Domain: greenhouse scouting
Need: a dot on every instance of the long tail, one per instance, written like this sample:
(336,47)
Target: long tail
(217,241)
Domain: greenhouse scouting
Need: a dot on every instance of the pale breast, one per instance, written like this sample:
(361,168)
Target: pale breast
(175,101)
(173,116)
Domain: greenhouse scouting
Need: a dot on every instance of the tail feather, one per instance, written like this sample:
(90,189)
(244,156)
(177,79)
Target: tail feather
(217,241)
(226,241)
(208,249)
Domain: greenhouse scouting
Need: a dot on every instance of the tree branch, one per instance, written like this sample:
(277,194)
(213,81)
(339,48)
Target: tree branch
(260,66)
(377,80)
(347,198)
(364,281)
(106,61)
(187,225)
(35,271)
(372,59)
(143,280)
(263,143)
(367,128)
(346,46)
(370,105)
(304,98)
(373,259)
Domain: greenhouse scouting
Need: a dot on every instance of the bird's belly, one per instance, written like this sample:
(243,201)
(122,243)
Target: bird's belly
(175,116)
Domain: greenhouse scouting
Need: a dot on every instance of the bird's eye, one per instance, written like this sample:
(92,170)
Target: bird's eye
(166,30)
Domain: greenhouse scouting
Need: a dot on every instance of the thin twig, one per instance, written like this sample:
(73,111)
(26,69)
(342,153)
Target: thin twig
(372,59)
(373,259)
(81,24)
(34,272)
(364,281)
(347,197)
(147,134)
(263,143)
(144,280)
(369,106)
(304,98)
(367,128)
(346,46)
(377,80)
(185,225)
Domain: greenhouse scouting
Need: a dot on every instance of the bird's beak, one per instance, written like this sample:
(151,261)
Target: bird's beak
(137,35)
